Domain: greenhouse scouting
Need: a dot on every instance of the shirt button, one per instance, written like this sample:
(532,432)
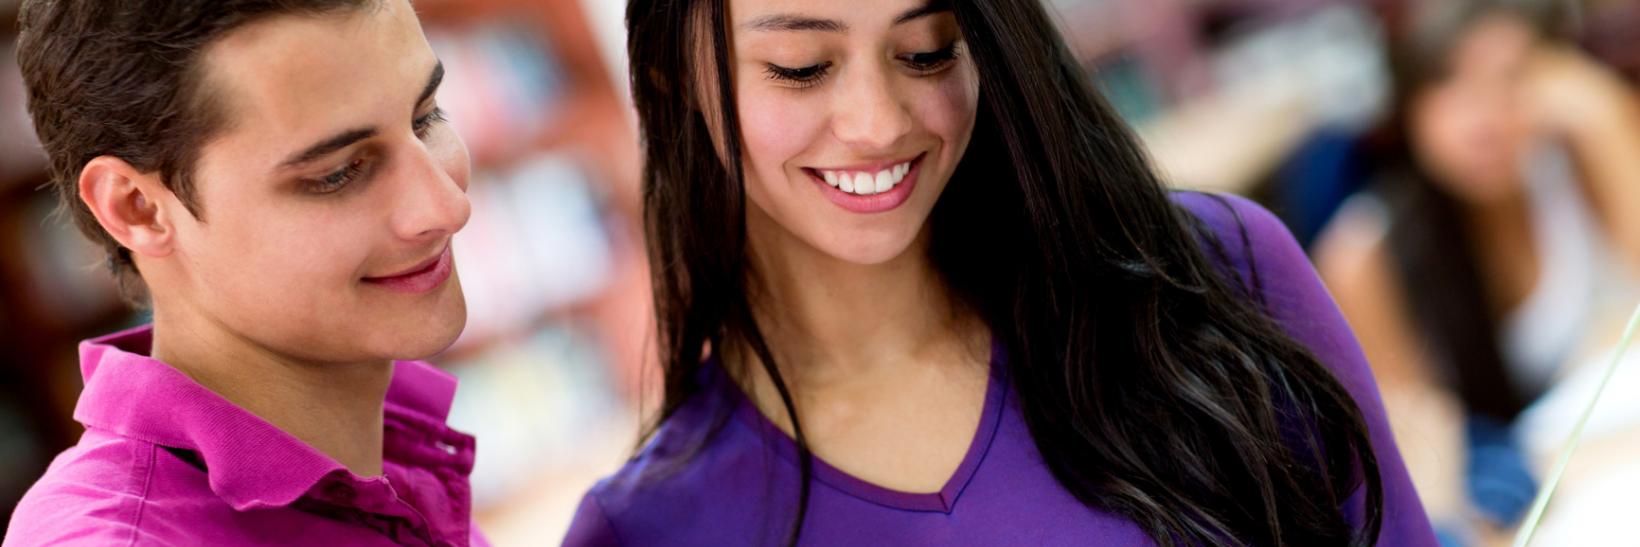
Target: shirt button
(340,492)
(446,447)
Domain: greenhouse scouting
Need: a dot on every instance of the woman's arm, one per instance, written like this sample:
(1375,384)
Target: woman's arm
(591,527)
(1300,303)
(1428,420)
(1573,97)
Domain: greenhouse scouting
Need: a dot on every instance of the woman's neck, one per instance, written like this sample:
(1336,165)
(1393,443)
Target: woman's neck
(837,318)
(887,369)
(334,407)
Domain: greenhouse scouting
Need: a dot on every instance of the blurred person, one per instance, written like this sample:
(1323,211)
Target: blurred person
(1497,247)
(276,178)
(916,284)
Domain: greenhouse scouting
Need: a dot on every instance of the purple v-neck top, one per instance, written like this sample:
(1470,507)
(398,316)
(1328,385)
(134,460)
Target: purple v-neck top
(740,488)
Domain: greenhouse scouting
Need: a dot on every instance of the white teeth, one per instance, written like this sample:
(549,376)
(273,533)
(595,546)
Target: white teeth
(866,184)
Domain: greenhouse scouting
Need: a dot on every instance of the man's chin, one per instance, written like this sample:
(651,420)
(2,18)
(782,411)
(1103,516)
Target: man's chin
(427,338)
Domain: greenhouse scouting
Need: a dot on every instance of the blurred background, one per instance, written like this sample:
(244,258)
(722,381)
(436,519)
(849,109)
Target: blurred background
(1465,179)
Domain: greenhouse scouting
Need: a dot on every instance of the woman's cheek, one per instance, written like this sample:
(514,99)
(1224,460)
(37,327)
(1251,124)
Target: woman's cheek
(778,126)
(947,108)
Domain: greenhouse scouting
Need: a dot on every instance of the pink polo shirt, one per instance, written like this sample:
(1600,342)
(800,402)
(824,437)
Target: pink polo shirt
(165,461)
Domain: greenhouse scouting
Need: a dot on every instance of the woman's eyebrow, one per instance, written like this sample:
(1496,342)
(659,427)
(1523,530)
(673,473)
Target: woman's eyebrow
(786,22)
(791,22)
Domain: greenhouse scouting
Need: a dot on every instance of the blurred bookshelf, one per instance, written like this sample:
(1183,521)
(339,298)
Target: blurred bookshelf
(1221,90)
(552,261)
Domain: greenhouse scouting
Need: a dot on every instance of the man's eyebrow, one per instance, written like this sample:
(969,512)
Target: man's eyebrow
(327,146)
(433,81)
(347,138)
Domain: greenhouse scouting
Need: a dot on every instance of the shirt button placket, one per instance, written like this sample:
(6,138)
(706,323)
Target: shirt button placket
(341,493)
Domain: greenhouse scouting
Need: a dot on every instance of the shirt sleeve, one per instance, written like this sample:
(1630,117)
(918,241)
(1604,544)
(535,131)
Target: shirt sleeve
(67,521)
(591,527)
(1278,269)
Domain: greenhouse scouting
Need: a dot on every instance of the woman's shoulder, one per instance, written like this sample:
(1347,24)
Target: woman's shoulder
(1279,273)
(698,458)
(1253,242)
(1245,236)
(1355,241)
(656,484)
(1223,212)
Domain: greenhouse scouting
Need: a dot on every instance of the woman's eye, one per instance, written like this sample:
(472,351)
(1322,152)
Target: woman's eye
(931,61)
(798,77)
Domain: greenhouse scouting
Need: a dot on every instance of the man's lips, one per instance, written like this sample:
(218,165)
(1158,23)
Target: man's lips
(420,278)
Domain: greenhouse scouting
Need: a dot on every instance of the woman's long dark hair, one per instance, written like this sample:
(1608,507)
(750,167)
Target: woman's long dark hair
(1153,386)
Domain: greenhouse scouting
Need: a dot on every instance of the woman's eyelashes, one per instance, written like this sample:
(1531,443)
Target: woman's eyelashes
(923,64)
(933,61)
(800,78)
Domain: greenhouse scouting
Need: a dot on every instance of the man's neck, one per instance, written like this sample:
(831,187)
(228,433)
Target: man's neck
(334,407)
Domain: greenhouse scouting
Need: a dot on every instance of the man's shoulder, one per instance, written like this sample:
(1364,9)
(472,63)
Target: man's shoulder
(92,494)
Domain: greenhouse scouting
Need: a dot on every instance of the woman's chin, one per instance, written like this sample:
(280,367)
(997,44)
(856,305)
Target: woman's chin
(869,250)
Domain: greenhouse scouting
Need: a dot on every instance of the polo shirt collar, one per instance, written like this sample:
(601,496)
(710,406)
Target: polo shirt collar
(251,463)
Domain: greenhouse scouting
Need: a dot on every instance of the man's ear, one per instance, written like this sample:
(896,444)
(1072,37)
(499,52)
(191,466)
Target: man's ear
(128,205)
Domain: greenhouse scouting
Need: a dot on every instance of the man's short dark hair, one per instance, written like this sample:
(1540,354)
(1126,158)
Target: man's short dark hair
(124,78)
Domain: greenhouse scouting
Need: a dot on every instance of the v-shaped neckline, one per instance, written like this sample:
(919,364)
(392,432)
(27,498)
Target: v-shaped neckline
(942,501)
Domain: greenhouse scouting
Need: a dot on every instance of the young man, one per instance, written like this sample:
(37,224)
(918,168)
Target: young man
(276,176)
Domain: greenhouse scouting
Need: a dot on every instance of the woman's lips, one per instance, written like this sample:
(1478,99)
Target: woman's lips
(423,278)
(841,186)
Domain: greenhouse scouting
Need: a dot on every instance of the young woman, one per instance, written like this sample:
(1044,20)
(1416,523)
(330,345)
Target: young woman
(917,285)
(1498,244)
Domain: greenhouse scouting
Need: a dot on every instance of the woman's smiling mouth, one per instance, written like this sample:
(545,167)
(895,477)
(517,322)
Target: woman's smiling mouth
(872,188)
